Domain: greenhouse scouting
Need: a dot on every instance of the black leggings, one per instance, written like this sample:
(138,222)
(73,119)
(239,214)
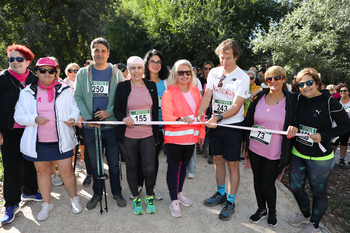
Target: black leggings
(17,170)
(131,149)
(265,172)
(318,173)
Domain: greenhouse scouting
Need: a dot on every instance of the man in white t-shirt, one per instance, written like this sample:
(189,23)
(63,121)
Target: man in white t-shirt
(229,86)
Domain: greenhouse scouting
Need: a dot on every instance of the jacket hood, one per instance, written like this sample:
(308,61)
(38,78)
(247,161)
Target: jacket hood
(324,95)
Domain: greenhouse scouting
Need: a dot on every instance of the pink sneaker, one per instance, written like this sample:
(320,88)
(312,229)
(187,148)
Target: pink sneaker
(175,209)
(183,199)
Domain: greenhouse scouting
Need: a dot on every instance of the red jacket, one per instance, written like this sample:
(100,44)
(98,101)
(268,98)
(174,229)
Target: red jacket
(174,105)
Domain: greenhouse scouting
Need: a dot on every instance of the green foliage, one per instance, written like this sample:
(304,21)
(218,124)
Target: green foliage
(316,34)
(191,29)
(60,28)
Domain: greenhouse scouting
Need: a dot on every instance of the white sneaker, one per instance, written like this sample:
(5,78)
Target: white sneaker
(157,194)
(56,179)
(75,203)
(190,175)
(78,167)
(44,212)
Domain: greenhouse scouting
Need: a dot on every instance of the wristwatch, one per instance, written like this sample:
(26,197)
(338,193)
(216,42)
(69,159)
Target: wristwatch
(220,117)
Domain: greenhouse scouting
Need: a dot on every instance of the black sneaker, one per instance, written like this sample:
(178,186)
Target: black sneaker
(341,162)
(260,214)
(121,202)
(210,159)
(272,220)
(93,202)
(227,211)
(87,180)
(216,199)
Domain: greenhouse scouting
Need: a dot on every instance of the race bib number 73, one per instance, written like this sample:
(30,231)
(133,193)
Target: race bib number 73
(263,137)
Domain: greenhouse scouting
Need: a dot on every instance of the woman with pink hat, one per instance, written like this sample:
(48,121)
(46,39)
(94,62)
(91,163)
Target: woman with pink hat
(49,111)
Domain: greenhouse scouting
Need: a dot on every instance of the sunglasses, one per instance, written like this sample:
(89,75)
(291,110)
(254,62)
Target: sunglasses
(207,68)
(71,71)
(220,84)
(251,77)
(182,72)
(276,78)
(343,90)
(155,62)
(308,83)
(122,70)
(43,70)
(87,63)
(19,59)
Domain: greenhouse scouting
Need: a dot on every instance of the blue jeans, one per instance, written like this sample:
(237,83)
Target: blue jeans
(109,143)
(191,168)
(206,140)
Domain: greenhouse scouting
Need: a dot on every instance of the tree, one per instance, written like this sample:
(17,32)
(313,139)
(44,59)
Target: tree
(60,28)
(316,34)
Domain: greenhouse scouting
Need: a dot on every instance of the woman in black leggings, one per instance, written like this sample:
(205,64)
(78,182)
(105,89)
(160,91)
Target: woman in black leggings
(313,157)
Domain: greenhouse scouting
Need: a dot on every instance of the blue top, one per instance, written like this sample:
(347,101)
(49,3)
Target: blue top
(160,90)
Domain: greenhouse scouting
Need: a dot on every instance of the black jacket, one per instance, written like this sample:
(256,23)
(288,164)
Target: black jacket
(319,112)
(290,119)
(10,88)
(121,103)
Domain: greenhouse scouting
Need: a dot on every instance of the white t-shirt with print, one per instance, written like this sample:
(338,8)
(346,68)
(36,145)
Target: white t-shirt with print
(235,84)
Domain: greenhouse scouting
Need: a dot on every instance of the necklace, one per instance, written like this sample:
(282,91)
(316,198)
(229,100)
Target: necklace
(278,98)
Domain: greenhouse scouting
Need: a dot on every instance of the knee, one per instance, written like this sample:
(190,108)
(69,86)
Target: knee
(67,171)
(233,166)
(219,160)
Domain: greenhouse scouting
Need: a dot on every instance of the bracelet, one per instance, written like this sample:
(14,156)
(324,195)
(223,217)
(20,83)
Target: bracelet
(220,117)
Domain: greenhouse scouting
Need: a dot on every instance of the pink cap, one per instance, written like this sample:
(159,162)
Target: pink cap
(135,60)
(46,62)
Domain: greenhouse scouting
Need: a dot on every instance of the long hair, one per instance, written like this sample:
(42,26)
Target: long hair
(163,73)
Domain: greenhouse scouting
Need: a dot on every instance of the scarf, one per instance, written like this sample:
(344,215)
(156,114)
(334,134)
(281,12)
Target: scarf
(50,90)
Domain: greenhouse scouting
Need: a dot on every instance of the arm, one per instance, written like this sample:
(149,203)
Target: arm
(79,97)
(23,115)
(74,111)
(204,104)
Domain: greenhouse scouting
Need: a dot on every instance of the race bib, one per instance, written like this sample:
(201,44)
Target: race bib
(159,101)
(263,137)
(306,140)
(347,109)
(221,106)
(100,88)
(140,115)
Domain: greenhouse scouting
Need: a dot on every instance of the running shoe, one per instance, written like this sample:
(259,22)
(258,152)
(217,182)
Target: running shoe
(157,194)
(183,199)
(298,219)
(272,220)
(309,228)
(75,204)
(190,175)
(341,162)
(260,214)
(175,209)
(34,197)
(137,206)
(216,199)
(87,180)
(227,211)
(44,212)
(150,206)
(56,179)
(210,159)
(9,215)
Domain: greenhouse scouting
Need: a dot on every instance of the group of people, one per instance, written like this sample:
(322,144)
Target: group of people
(39,128)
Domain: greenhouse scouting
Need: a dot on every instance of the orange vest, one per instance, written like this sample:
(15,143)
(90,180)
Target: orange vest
(174,105)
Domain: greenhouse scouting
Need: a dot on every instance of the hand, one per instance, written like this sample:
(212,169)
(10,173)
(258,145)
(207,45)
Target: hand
(92,125)
(101,115)
(316,137)
(201,141)
(291,132)
(210,122)
(245,154)
(186,119)
(70,122)
(79,124)
(201,117)
(253,96)
(129,121)
(41,120)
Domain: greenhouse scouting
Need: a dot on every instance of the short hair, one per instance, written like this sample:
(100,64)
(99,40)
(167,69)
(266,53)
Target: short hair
(330,87)
(172,80)
(100,40)
(313,73)
(27,53)
(163,73)
(69,66)
(208,62)
(277,71)
(226,45)
(87,58)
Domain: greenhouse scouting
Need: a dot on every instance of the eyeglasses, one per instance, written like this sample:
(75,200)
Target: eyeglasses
(19,59)
(71,71)
(183,72)
(220,84)
(87,63)
(276,78)
(207,68)
(308,83)
(43,70)
(155,62)
(343,90)
(251,77)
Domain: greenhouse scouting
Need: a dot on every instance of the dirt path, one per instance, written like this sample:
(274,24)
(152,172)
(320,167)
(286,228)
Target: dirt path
(197,218)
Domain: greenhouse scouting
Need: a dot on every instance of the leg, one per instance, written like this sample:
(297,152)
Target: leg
(30,183)
(234,177)
(192,163)
(43,169)
(220,169)
(173,171)
(187,153)
(148,151)
(269,174)
(256,163)
(66,170)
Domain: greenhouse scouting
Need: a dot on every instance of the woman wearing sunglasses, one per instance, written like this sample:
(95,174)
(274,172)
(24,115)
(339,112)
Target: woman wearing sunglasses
(71,72)
(274,108)
(180,103)
(343,139)
(49,111)
(252,88)
(317,110)
(12,81)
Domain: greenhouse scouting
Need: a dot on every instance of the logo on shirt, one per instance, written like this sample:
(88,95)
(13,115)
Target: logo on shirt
(317,113)
(39,99)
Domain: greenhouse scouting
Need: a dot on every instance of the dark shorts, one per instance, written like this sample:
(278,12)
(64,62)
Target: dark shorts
(342,140)
(226,142)
(48,151)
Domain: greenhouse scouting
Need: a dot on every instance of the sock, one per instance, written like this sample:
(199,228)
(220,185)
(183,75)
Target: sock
(221,189)
(231,198)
